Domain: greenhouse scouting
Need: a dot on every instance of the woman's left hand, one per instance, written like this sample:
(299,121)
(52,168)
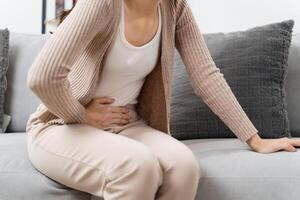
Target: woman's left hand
(272,145)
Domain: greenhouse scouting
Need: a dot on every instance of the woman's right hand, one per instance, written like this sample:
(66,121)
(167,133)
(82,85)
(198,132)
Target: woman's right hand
(101,115)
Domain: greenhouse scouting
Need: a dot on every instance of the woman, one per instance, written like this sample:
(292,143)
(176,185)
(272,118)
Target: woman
(103,78)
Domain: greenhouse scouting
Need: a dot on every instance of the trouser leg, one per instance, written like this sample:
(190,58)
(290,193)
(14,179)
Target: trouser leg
(181,170)
(101,163)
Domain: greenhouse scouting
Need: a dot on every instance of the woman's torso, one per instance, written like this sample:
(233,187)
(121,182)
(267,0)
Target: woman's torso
(83,89)
(127,66)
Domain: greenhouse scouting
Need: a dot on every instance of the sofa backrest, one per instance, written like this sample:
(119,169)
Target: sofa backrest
(293,86)
(21,102)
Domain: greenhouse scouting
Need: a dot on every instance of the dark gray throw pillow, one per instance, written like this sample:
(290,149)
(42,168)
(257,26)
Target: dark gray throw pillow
(4,46)
(254,64)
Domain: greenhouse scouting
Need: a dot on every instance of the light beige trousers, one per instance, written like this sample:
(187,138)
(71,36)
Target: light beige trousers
(131,162)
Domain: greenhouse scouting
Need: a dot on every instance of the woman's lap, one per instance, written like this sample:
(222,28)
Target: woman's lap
(181,171)
(73,140)
(166,148)
(81,153)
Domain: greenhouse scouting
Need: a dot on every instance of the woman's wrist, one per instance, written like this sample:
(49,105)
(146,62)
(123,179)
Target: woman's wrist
(254,141)
(85,116)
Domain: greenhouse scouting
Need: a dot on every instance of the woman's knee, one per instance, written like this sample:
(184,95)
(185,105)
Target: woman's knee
(140,164)
(134,170)
(191,165)
(185,164)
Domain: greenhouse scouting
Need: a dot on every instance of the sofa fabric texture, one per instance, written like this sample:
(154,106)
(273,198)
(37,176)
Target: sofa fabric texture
(293,86)
(254,63)
(4,47)
(22,52)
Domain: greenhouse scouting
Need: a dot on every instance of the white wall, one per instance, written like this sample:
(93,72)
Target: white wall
(51,13)
(26,16)
(21,16)
(212,15)
(233,15)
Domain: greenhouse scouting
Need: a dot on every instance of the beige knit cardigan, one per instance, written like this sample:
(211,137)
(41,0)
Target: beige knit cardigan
(66,72)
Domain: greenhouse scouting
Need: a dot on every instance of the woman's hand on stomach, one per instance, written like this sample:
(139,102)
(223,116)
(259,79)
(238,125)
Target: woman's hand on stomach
(101,114)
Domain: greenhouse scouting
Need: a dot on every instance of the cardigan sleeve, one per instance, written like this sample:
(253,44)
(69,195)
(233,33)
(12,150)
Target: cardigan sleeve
(206,79)
(47,76)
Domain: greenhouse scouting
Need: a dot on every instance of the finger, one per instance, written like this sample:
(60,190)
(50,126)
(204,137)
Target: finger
(105,100)
(120,116)
(120,121)
(279,146)
(281,140)
(118,109)
(287,147)
(295,142)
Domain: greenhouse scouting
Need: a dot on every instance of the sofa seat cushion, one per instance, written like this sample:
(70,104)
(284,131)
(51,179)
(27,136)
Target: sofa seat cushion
(20,180)
(232,171)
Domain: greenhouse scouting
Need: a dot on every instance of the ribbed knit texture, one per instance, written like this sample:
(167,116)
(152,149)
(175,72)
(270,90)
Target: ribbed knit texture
(66,71)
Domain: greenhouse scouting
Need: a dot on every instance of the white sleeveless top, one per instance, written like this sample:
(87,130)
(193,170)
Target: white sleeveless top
(126,67)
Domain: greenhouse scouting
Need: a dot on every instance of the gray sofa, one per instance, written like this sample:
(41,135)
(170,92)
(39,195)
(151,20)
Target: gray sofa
(232,171)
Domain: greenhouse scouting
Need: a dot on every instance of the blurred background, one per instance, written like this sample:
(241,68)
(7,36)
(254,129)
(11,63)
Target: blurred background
(233,15)
(212,15)
(28,16)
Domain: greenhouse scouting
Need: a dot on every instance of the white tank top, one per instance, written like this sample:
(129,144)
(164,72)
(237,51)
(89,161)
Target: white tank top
(126,67)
